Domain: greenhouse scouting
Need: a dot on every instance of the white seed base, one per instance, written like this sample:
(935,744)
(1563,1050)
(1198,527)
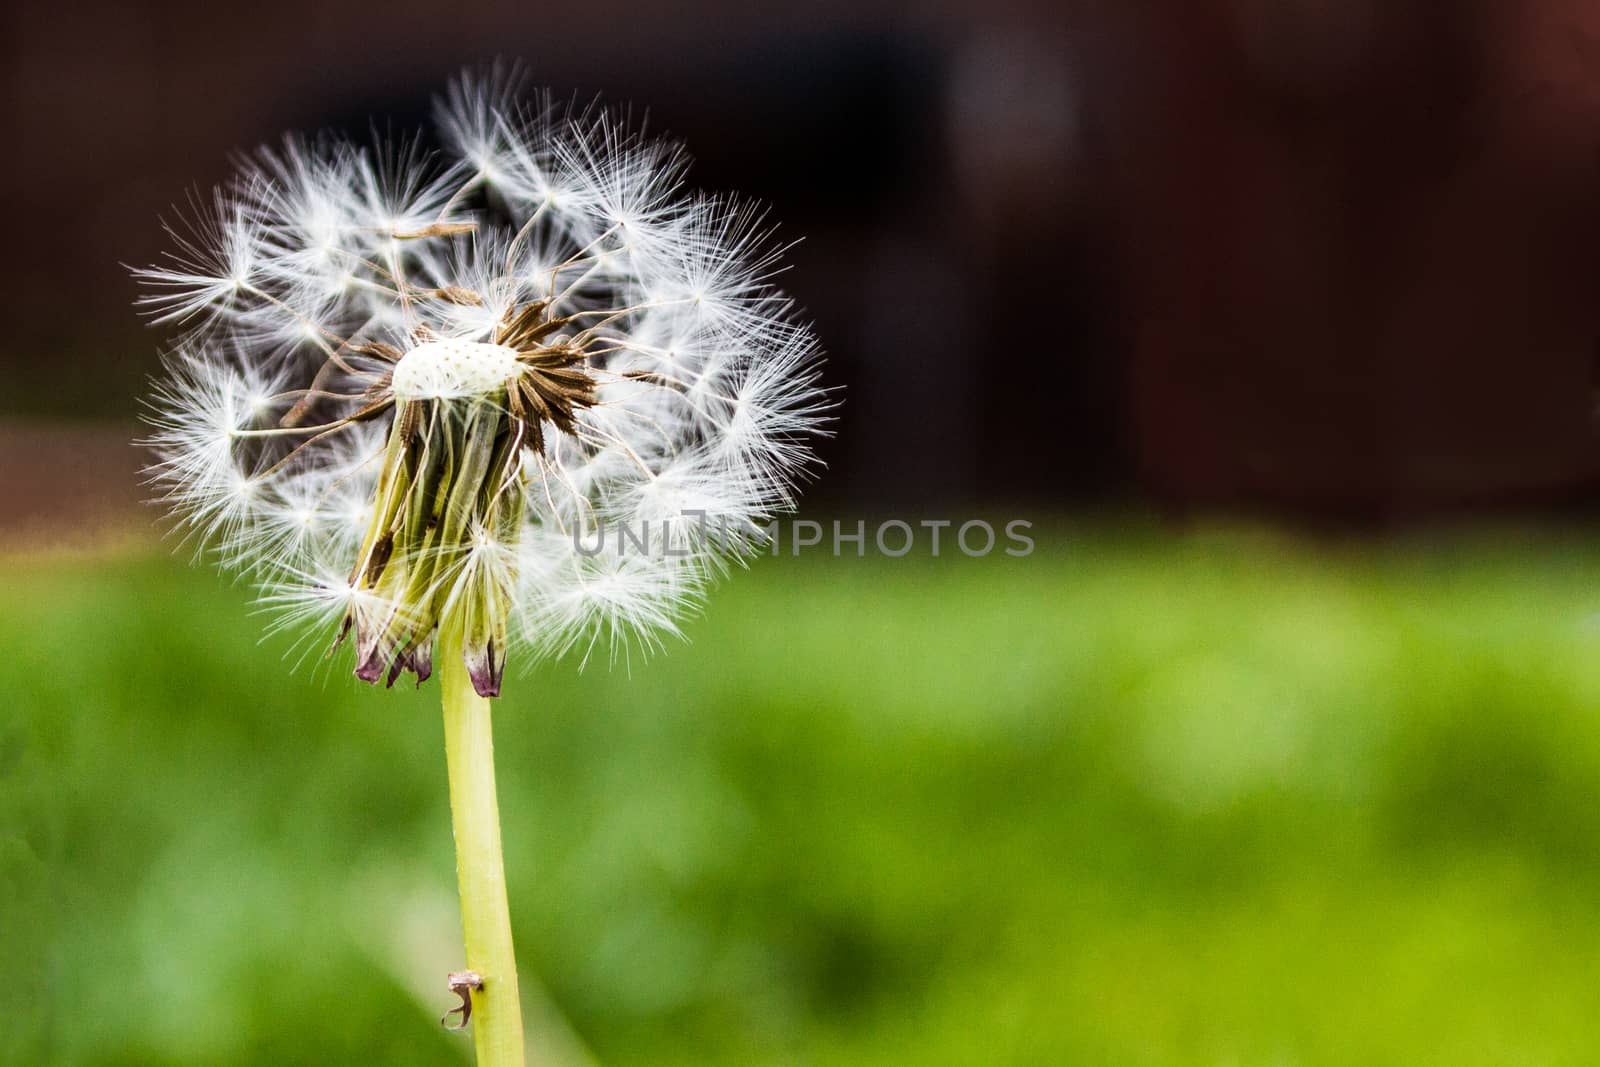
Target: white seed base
(452,369)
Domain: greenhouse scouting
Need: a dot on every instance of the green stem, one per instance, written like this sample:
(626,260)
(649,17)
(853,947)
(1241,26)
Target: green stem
(485,917)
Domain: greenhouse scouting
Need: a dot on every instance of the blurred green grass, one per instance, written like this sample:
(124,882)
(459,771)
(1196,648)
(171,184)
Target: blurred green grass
(1220,798)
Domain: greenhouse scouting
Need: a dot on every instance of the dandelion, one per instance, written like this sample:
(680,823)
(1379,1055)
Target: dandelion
(408,393)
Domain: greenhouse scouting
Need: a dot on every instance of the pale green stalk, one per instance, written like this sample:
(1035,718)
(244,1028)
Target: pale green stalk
(485,917)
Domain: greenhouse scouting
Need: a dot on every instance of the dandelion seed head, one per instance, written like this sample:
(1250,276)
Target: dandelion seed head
(409,387)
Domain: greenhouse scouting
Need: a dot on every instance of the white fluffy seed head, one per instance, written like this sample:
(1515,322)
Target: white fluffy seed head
(443,370)
(330,281)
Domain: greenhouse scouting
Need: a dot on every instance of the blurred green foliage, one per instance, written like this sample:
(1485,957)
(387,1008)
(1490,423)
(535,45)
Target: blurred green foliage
(1223,798)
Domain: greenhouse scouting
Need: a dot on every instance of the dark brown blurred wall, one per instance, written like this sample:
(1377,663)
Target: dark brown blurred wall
(1361,250)
(1326,256)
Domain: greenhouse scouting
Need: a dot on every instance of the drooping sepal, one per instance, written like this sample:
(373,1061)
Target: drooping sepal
(484,638)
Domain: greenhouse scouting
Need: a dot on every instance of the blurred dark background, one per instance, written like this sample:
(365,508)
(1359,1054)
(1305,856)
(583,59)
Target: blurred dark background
(1333,259)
